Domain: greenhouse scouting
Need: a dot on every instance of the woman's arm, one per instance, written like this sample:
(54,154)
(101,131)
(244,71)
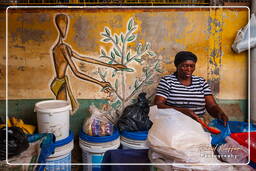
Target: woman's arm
(214,110)
(94,61)
(66,53)
(161,104)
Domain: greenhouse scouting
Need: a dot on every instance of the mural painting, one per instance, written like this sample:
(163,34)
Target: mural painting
(62,55)
(119,57)
(109,56)
(120,53)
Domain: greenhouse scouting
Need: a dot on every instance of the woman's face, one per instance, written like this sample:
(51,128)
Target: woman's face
(186,69)
(62,24)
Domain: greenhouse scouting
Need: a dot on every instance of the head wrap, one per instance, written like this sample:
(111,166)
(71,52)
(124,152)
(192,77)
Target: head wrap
(183,56)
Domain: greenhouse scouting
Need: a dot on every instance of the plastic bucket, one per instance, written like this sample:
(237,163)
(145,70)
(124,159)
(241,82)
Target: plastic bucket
(53,117)
(62,155)
(64,160)
(93,148)
(134,140)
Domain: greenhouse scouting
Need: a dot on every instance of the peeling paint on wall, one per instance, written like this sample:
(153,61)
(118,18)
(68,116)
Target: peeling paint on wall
(32,33)
(215,23)
(84,40)
(27,18)
(27,35)
(161,35)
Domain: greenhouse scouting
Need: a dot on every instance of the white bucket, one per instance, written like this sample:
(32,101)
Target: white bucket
(133,144)
(61,158)
(94,152)
(53,117)
(61,163)
(63,150)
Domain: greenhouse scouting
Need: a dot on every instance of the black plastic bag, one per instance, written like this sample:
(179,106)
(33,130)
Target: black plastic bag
(17,142)
(135,117)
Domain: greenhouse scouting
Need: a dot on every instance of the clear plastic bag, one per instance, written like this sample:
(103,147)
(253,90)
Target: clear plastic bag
(98,124)
(232,151)
(241,42)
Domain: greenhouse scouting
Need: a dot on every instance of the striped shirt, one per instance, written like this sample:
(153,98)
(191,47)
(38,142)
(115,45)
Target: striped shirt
(179,95)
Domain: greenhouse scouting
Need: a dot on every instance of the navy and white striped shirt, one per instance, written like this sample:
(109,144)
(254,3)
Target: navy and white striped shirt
(179,95)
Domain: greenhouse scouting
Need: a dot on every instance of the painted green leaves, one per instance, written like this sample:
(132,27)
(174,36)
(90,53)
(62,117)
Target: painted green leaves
(131,38)
(157,67)
(124,51)
(128,69)
(117,52)
(130,24)
(116,39)
(103,53)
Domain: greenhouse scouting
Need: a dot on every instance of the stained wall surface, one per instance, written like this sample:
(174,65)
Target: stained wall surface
(209,33)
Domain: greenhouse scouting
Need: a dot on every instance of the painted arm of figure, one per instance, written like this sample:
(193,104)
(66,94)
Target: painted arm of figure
(94,61)
(214,110)
(66,53)
(161,104)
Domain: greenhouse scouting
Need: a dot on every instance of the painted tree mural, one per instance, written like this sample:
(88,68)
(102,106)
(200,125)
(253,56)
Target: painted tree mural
(122,53)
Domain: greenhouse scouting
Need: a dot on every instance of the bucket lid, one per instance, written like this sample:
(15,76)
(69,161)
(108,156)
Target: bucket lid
(138,135)
(95,139)
(99,147)
(50,106)
(65,141)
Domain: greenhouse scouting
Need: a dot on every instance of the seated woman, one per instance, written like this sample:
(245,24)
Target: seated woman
(187,93)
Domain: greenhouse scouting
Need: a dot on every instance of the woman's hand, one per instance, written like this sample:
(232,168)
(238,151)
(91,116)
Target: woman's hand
(106,86)
(214,110)
(222,117)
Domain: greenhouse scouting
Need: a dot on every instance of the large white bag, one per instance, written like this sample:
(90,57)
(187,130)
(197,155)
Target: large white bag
(172,129)
(176,138)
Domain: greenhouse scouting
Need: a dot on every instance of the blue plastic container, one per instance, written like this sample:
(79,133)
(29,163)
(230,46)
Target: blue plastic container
(236,126)
(134,140)
(64,141)
(138,135)
(232,127)
(94,147)
(62,155)
(63,163)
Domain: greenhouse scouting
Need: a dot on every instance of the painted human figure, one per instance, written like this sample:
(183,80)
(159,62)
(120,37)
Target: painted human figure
(62,54)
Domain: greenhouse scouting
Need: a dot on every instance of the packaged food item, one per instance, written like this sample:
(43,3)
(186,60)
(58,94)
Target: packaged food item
(98,123)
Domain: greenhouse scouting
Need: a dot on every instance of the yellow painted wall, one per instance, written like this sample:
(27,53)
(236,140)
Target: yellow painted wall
(2,55)
(233,73)
(32,33)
